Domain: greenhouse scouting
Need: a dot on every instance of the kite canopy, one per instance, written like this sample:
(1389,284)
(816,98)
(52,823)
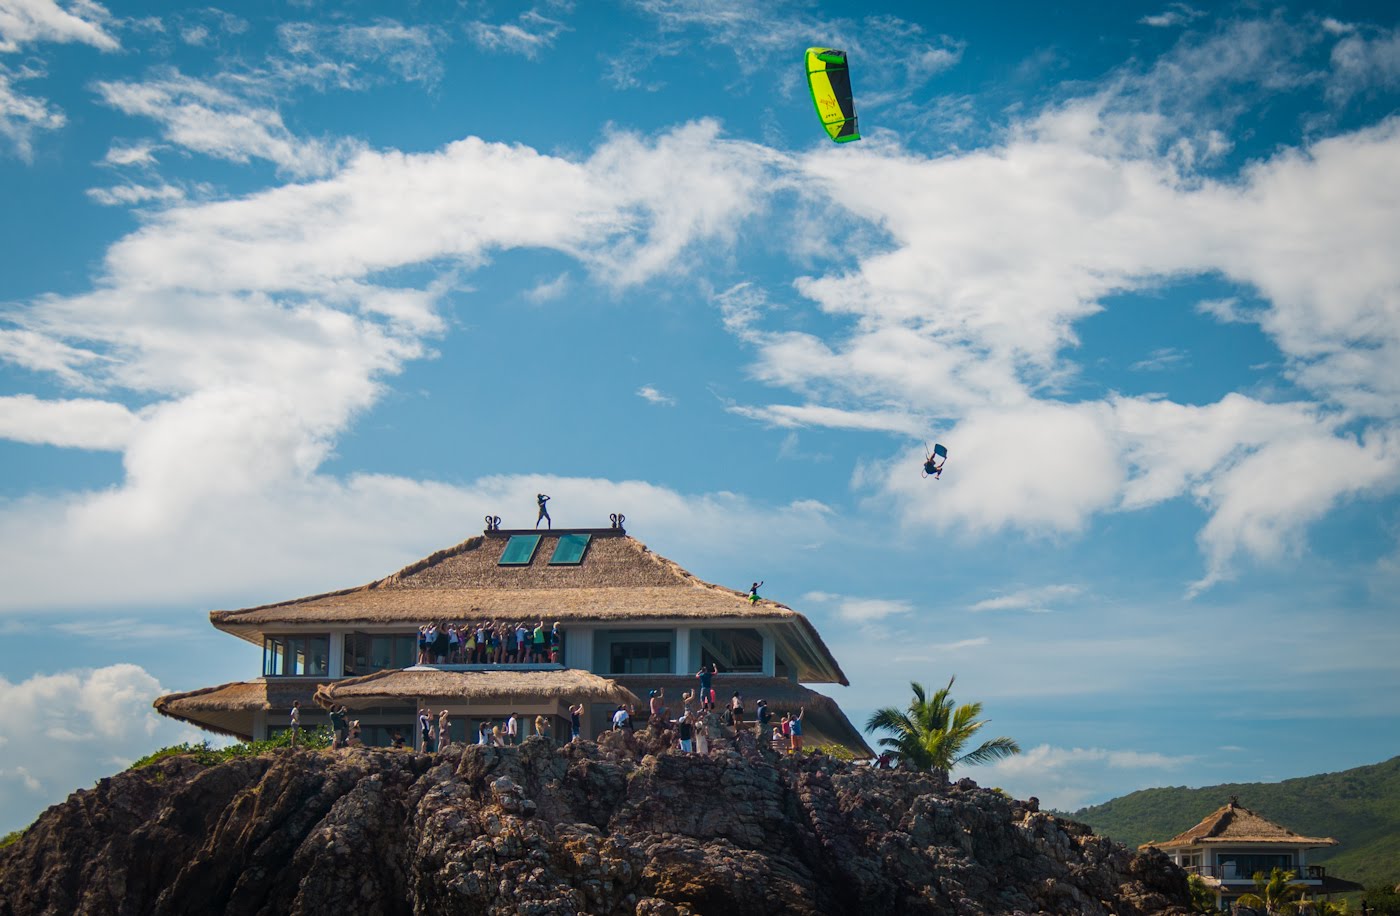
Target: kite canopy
(830,82)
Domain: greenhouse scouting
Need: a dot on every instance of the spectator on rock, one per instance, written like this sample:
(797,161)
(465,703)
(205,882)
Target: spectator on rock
(619,719)
(444,732)
(396,741)
(512,730)
(778,741)
(685,733)
(763,717)
(656,698)
(795,729)
(294,721)
(425,725)
(542,726)
(706,676)
(483,733)
(354,739)
(339,728)
(702,734)
(575,722)
(736,710)
(496,738)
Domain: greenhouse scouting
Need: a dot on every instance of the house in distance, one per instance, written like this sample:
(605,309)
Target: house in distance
(1232,844)
(630,622)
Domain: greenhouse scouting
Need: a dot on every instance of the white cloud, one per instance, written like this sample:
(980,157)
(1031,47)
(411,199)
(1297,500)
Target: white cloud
(549,290)
(859,609)
(205,118)
(531,33)
(62,731)
(1069,778)
(28,21)
(71,424)
(340,55)
(1175,14)
(129,194)
(652,396)
(797,415)
(959,644)
(139,153)
(1361,63)
(1035,600)
(22,116)
(309,533)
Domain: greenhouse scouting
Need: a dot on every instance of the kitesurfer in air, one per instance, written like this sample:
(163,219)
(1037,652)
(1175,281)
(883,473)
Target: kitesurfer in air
(933,464)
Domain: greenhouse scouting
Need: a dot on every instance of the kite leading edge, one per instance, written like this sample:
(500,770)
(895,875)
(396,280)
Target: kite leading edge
(830,82)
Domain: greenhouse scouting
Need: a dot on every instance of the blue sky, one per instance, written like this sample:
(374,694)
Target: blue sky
(293,298)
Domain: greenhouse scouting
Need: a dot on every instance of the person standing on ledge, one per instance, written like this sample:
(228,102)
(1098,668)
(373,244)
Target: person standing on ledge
(294,721)
(544,513)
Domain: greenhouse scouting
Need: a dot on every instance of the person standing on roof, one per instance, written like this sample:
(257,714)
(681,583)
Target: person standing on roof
(544,513)
(753,592)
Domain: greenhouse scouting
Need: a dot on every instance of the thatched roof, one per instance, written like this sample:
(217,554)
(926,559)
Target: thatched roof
(824,722)
(228,708)
(1233,823)
(493,687)
(619,580)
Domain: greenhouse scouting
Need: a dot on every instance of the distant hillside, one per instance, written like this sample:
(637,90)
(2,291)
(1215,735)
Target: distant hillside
(1360,808)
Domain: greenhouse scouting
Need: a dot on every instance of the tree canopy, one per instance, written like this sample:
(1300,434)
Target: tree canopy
(932,732)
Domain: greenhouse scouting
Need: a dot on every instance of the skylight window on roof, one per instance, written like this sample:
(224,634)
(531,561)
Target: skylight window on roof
(570,549)
(520,550)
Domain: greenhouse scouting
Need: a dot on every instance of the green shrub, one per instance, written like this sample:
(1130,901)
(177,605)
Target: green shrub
(311,739)
(10,839)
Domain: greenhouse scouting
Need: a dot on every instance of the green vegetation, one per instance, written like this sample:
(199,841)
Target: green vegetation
(1383,899)
(1274,892)
(932,732)
(1202,897)
(10,839)
(1360,808)
(311,739)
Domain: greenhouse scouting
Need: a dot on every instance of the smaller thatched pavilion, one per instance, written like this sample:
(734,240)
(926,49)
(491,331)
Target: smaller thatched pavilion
(1232,844)
(472,697)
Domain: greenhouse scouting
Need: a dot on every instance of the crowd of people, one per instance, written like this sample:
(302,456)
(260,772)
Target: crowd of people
(489,642)
(700,717)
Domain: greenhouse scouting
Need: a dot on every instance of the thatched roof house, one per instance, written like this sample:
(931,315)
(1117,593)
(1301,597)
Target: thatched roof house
(631,620)
(1234,824)
(1232,844)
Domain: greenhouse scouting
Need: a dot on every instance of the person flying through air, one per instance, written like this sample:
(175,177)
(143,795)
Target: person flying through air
(933,464)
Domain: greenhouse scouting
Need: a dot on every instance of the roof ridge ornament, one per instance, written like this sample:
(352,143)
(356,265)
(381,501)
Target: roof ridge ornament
(493,523)
(617,518)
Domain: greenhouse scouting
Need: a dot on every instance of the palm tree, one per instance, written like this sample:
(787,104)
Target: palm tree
(932,732)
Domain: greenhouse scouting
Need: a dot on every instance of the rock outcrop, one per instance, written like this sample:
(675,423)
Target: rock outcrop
(585,828)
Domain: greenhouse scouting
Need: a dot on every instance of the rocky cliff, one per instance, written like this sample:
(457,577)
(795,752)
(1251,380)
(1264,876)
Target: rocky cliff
(586,828)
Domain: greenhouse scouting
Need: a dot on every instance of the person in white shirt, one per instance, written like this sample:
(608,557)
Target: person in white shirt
(512,729)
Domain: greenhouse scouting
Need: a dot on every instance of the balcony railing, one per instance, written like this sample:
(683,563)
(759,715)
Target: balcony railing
(1230,872)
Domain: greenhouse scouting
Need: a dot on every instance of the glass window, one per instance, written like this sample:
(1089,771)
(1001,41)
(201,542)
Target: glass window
(520,550)
(366,653)
(292,656)
(570,549)
(1247,865)
(641,658)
